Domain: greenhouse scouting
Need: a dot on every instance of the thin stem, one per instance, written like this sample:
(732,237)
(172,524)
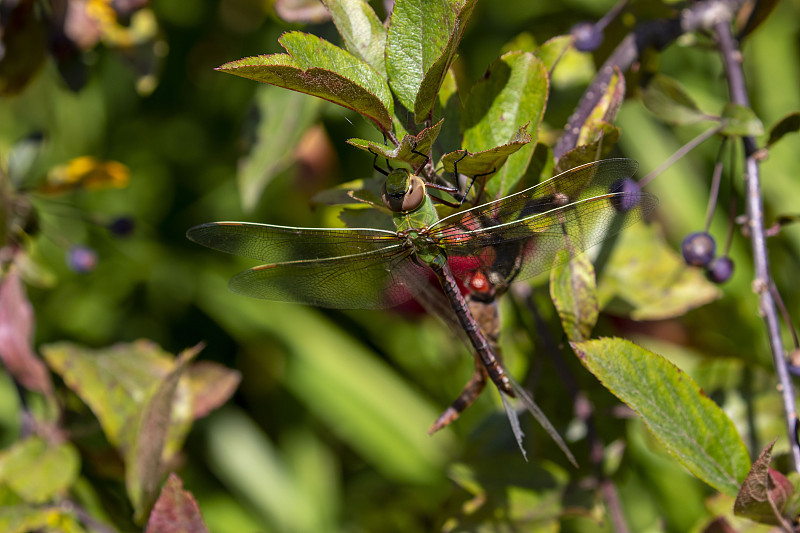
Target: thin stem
(611,15)
(679,153)
(714,194)
(738,91)
(656,34)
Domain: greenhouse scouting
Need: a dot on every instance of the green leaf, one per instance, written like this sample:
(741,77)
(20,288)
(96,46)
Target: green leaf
(448,107)
(648,280)
(112,382)
(667,99)
(511,94)
(486,161)
(691,426)
(604,112)
(356,192)
(176,510)
(367,218)
(284,118)
(788,124)
(740,121)
(37,470)
(316,67)
(422,143)
(573,290)
(143,461)
(759,487)
(607,136)
(27,518)
(500,492)
(552,50)
(421,44)
(362,31)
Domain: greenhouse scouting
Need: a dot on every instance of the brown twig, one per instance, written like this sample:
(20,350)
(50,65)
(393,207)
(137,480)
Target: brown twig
(731,58)
(656,34)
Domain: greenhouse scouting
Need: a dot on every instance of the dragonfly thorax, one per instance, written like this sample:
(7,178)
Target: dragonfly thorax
(403,191)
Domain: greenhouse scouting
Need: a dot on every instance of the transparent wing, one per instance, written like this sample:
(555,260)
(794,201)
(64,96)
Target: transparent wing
(520,235)
(277,244)
(365,281)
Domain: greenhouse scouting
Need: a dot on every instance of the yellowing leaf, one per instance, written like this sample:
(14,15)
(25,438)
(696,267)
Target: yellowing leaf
(86,172)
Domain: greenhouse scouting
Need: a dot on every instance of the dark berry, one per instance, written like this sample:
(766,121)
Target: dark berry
(720,269)
(698,249)
(122,226)
(588,37)
(630,194)
(81,259)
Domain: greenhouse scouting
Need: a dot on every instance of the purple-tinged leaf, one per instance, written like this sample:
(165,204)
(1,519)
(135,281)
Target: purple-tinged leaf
(764,492)
(604,111)
(607,136)
(212,385)
(176,510)
(143,472)
(16,336)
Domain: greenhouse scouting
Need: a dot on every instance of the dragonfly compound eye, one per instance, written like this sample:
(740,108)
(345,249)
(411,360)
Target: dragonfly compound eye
(402,191)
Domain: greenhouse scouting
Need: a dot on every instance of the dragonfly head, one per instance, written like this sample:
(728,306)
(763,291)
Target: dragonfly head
(403,191)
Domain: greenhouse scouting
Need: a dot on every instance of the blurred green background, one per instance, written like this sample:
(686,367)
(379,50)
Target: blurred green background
(328,430)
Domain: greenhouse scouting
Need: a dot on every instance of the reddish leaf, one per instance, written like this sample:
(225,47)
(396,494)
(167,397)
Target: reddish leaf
(144,460)
(176,510)
(16,332)
(764,492)
(211,385)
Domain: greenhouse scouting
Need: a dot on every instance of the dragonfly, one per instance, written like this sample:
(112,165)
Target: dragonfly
(510,239)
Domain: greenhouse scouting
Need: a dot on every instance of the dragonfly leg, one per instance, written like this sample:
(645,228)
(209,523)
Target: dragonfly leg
(472,181)
(375,162)
(468,395)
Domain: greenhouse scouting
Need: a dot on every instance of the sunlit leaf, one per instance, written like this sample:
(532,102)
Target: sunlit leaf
(740,120)
(552,50)
(788,124)
(606,138)
(289,113)
(421,44)
(38,470)
(661,394)
(176,510)
(572,288)
(511,94)
(422,143)
(486,161)
(651,278)
(316,67)
(16,336)
(604,111)
(86,172)
(667,99)
(362,31)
